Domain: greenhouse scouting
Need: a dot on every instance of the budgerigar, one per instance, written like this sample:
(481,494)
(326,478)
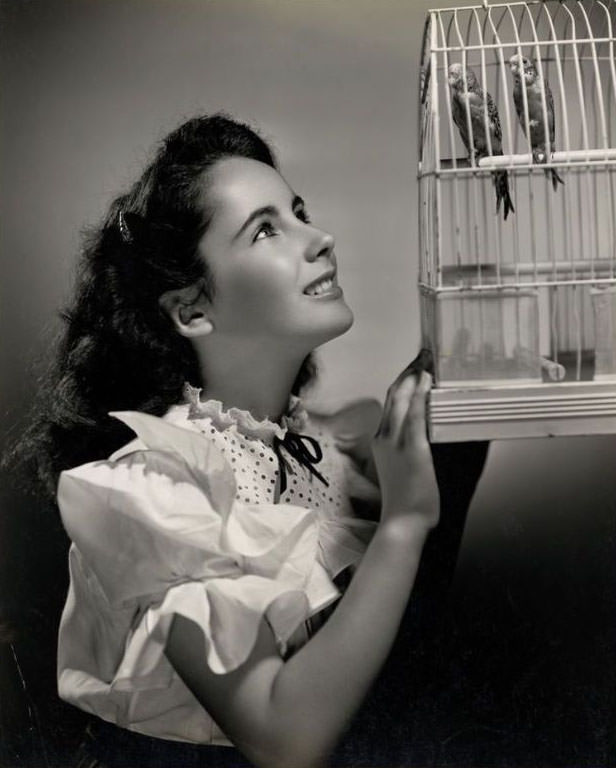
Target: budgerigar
(523,67)
(475,101)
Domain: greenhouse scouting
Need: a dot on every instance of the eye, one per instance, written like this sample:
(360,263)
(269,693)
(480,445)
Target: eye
(265,229)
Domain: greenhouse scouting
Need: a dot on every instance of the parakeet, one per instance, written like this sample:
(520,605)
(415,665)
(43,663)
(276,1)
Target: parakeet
(475,102)
(536,123)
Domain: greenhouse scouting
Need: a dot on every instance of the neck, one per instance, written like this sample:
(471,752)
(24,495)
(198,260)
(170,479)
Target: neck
(250,378)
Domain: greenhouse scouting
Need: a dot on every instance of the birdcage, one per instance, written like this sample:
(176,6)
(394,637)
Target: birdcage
(519,305)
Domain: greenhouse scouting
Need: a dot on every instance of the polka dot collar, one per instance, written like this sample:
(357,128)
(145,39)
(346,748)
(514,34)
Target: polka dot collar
(293,420)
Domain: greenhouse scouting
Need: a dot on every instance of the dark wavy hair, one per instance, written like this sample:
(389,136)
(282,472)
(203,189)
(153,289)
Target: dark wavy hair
(118,349)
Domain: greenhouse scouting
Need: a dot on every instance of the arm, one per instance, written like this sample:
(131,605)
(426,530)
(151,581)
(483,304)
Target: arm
(458,468)
(292,713)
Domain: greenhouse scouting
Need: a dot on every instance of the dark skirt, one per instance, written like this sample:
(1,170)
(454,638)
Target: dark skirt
(107,746)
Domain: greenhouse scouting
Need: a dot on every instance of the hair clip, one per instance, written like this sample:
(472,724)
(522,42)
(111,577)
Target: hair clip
(124,230)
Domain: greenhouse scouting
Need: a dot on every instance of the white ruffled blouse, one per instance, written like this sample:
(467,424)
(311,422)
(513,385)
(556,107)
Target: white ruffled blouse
(188,519)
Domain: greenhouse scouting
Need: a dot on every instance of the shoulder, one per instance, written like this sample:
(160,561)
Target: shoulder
(170,485)
(164,450)
(355,418)
(352,427)
(177,415)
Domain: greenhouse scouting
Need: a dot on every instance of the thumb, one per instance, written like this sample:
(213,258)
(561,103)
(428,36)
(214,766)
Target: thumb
(424,361)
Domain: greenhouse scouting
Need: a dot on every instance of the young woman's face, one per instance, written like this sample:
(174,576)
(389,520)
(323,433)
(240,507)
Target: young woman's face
(274,272)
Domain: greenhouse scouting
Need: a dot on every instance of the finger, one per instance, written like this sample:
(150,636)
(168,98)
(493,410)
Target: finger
(423,361)
(383,428)
(385,425)
(415,420)
(400,404)
(414,367)
(417,408)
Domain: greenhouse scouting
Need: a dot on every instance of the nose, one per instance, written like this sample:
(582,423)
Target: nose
(321,243)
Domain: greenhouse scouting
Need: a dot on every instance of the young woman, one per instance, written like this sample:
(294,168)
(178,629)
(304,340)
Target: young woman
(215,524)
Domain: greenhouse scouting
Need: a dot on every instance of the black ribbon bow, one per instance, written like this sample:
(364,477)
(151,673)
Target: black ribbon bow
(298,446)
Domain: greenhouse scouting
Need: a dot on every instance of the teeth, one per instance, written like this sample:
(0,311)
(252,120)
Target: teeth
(320,287)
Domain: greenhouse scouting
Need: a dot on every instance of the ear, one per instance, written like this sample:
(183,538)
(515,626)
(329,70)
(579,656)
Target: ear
(188,309)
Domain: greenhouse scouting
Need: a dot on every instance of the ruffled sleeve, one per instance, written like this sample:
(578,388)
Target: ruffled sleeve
(159,532)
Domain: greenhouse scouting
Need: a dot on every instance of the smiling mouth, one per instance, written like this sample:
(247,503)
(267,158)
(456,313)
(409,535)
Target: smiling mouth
(327,286)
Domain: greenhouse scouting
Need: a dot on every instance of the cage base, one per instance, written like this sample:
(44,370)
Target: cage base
(519,411)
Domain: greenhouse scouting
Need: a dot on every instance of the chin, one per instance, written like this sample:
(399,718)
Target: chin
(339,326)
(350,319)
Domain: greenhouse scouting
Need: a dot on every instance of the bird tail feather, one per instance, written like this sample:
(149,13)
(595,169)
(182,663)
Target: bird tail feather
(556,179)
(539,156)
(501,183)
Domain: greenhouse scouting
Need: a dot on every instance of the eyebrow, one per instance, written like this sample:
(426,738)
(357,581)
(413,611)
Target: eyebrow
(267,210)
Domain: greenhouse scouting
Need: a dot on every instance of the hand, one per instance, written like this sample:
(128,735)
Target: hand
(458,466)
(402,452)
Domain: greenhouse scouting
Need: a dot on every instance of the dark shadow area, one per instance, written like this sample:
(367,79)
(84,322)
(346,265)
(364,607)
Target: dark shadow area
(37,729)
(516,667)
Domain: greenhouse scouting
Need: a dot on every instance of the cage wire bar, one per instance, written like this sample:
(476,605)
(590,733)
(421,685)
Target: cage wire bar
(520,314)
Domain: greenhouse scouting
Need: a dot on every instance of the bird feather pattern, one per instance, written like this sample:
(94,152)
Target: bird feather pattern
(473,101)
(523,68)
